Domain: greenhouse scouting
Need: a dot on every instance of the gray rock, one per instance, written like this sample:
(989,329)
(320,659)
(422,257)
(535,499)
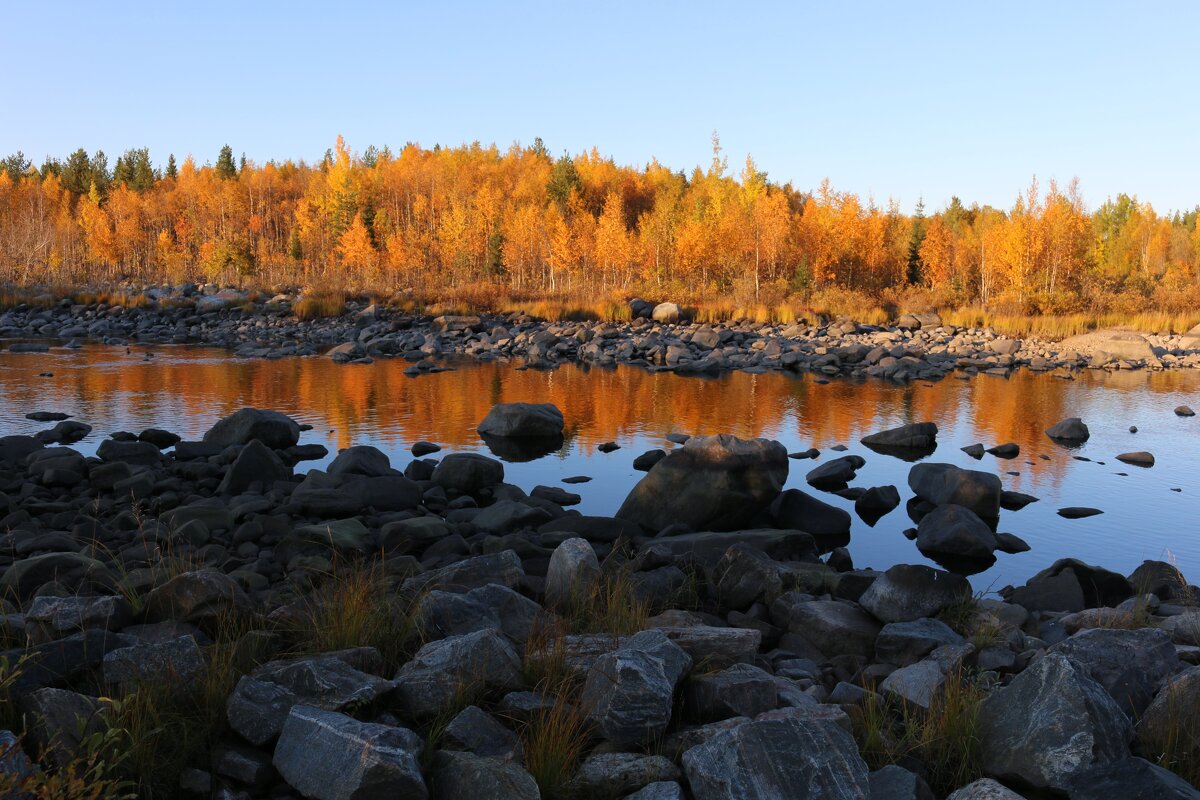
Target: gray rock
(943,484)
(1139,458)
(904,643)
(442,613)
(572,575)
(715,647)
(255,464)
(1165,719)
(835,627)
(896,783)
(956,531)
(710,483)
(1070,585)
(618,774)
(778,759)
(72,570)
(708,547)
(797,510)
(54,617)
(984,789)
(915,436)
(178,661)
(1130,779)
(1071,429)
(1131,665)
(330,756)
(666,312)
(745,574)
(503,568)
(921,684)
(58,721)
(659,790)
(522,420)
(475,731)
(836,473)
(205,598)
(629,693)
(277,431)
(363,459)
(1052,722)
(441,672)
(466,775)
(742,690)
(912,591)
(468,473)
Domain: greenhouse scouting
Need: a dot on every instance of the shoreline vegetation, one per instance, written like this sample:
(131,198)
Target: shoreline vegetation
(475,229)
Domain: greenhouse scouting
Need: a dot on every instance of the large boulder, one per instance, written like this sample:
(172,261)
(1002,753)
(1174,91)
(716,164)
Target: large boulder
(666,312)
(523,420)
(468,473)
(206,598)
(1130,779)
(572,575)
(1171,716)
(945,483)
(479,662)
(778,759)
(466,775)
(835,627)
(256,464)
(797,510)
(1130,665)
(629,693)
(361,459)
(836,473)
(913,591)
(73,570)
(331,756)
(1052,722)
(920,437)
(711,483)
(956,532)
(1070,585)
(277,431)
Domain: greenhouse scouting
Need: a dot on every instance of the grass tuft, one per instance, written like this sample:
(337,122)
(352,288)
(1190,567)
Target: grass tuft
(319,305)
(555,742)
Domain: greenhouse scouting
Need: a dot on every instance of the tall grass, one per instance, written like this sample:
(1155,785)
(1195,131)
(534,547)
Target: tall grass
(1061,326)
(319,305)
(555,741)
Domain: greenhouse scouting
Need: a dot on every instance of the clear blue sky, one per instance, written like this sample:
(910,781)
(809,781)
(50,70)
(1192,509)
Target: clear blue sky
(887,99)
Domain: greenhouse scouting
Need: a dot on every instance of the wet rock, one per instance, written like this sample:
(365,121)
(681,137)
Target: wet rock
(1139,458)
(1071,429)
(277,431)
(648,459)
(876,502)
(1007,450)
(629,693)
(1051,723)
(943,484)
(975,451)
(1070,585)
(1184,411)
(953,530)
(1129,664)
(1078,512)
(919,438)
(331,756)
(710,483)
(1015,501)
(522,420)
(913,591)
(779,759)
(479,662)
(794,509)
(835,474)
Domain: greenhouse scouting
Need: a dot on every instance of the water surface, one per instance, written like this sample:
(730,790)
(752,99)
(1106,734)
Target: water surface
(186,389)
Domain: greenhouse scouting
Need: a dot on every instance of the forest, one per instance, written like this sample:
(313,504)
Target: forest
(479,221)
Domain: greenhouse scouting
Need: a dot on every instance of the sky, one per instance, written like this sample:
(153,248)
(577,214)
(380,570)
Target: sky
(890,100)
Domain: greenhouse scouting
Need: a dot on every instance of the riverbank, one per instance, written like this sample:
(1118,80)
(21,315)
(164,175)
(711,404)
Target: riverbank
(659,337)
(224,622)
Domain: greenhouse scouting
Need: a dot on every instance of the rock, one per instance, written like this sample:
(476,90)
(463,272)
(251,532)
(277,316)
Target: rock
(465,775)
(778,759)
(921,684)
(835,474)
(177,662)
(1051,723)
(618,774)
(443,613)
(277,431)
(206,598)
(72,570)
(710,483)
(50,618)
(920,436)
(835,627)
(255,464)
(1015,501)
(159,438)
(659,790)
(896,783)
(1130,779)
(1078,512)
(503,568)
(745,574)
(331,756)
(648,459)
(1140,458)
(556,495)
(707,547)
(1184,411)
(473,730)
(58,721)
(797,510)
(1129,664)
(876,502)
(1008,450)
(984,789)
(468,473)
(261,701)
(1071,429)
(975,451)
(423,448)
(1162,579)
(1170,716)
(904,643)
(956,531)
(522,420)
(361,459)
(1108,345)
(134,452)
(742,690)
(629,693)
(1070,585)
(943,484)
(666,312)
(913,591)
(572,575)
(441,671)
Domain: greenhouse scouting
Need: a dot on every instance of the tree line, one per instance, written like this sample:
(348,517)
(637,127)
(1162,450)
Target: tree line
(524,221)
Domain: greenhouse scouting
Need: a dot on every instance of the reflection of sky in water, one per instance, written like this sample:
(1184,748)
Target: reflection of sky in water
(186,390)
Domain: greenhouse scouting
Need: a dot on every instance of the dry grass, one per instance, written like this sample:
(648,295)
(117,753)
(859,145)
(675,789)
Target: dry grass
(319,305)
(945,738)
(556,740)
(1061,326)
(1175,742)
(611,607)
(94,775)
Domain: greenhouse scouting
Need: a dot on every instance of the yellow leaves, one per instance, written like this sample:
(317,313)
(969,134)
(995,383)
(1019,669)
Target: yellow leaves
(354,247)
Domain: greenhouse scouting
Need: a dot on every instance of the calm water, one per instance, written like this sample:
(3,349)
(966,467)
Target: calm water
(185,390)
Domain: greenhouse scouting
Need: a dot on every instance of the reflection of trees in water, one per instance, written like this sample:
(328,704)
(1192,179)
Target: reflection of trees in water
(186,390)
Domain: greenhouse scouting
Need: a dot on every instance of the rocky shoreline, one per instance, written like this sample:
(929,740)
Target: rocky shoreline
(428,630)
(916,347)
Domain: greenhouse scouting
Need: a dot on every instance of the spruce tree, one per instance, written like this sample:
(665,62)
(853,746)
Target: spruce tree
(172,170)
(226,169)
(915,267)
